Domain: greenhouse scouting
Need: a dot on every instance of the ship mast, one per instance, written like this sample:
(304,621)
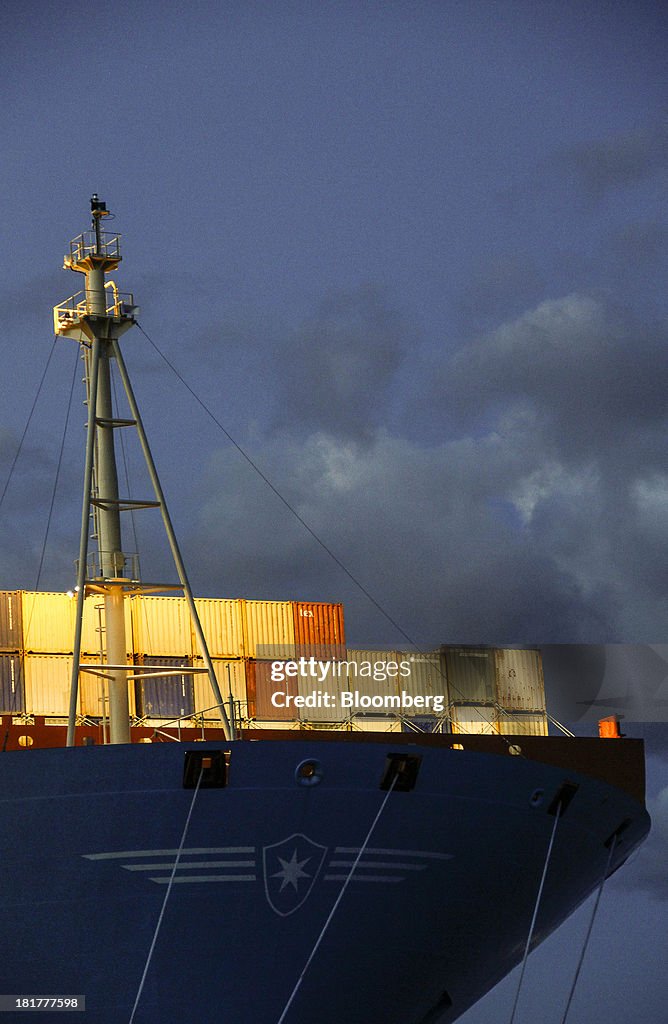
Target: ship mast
(97,318)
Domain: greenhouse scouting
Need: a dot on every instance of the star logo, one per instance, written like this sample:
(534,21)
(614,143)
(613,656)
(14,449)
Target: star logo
(290,870)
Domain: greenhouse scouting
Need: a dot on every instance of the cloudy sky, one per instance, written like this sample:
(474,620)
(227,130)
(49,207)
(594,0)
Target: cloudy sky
(411,256)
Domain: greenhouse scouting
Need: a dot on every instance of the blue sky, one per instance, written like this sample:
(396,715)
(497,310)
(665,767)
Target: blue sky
(412,256)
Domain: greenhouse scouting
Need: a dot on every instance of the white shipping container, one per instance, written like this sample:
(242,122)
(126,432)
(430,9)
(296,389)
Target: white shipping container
(519,680)
(426,679)
(471,673)
(372,673)
(222,624)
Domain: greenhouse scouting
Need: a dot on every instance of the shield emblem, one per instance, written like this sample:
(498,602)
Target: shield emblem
(290,870)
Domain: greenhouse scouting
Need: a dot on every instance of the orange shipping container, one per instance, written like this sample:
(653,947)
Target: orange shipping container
(319,630)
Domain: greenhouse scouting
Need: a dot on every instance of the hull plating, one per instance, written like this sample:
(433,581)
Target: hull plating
(436,913)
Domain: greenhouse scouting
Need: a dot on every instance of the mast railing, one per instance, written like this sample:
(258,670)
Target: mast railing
(86,244)
(72,310)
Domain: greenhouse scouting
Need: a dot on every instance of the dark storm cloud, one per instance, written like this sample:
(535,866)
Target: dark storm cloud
(618,161)
(544,521)
(587,375)
(418,527)
(336,371)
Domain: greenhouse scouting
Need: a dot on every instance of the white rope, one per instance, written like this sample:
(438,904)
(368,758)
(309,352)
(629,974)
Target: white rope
(338,900)
(164,902)
(589,930)
(535,912)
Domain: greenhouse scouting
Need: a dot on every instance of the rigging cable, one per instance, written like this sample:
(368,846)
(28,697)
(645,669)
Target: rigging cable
(613,843)
(338,900)
(55,482)
(167,892)
(535,912)
(30,416)
(360,586)
(11,473)
(278,494)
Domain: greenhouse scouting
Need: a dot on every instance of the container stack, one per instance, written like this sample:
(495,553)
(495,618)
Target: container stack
(12,696)
(254,647)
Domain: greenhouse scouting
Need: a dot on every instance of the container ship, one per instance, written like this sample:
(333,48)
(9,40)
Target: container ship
(217,810)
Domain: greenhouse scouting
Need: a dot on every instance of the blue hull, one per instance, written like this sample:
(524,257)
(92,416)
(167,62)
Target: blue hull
(436,913)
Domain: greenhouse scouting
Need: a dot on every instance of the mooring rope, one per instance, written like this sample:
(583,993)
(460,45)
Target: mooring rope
(613,843)
(535,912)
(164,902)
(338,900)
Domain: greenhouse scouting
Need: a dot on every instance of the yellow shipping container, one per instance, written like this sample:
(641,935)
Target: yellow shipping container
(469,718)
(269,624)
(161,627)
(229,673)
(518,724)
(372,724)
(47,684)
(222,623)
(94,692)
(94,627)
(48,622)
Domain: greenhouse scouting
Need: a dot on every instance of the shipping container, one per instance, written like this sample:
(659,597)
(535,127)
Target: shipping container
(168,696)
(470,718)
(47,622)
(375,724)
(285,726)
(321,684)
(161,627)
(230,673)
(269,629)
(422,677)
(519,680)
(47,684)
(12,697)
(93,632)
(523,723)
(222,624)
(94,691)
(11,633)
(471,674)
(261,688)
(372,674)
(319,630)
